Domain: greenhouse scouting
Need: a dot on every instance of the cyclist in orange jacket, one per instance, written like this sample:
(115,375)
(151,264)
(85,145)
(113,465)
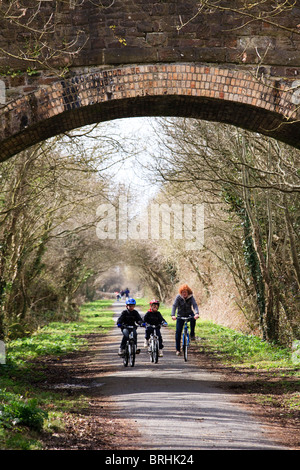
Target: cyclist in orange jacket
(185,305)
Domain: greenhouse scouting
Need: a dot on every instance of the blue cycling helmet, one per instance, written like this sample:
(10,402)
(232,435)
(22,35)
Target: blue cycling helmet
(130,302)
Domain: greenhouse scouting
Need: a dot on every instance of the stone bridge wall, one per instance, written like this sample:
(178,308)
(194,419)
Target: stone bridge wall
(149,28)
(133,58)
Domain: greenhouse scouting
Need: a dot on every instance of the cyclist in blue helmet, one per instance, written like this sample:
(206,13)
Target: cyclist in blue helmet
(129,317)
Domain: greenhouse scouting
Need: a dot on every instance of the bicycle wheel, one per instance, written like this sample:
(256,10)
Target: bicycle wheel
(151,350)
(185,345)
(156,351)
(126,356)
(131,353)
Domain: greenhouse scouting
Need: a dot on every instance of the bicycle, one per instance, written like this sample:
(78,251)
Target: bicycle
(154,344)
(185,337)
(130,348)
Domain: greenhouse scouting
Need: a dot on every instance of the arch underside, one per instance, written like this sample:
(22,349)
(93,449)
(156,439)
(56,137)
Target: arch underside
(245,116)
(182,90)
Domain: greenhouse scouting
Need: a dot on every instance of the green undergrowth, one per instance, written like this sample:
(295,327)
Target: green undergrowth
(26,409)
(239,349)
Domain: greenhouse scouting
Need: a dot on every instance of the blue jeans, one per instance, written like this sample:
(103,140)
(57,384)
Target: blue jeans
(179,328)
(126,332)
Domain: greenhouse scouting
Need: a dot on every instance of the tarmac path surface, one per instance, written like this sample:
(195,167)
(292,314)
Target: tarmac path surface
(175,404)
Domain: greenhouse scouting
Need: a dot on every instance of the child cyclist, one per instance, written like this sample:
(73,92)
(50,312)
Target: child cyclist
(154,317)
(129,317)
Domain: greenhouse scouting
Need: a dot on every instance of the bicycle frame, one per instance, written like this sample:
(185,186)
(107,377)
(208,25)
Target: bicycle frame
(130,347)
(185,336)
(153,344)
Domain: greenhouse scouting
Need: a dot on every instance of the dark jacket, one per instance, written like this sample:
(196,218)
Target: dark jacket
(130,318)
(184,307)
(154,318)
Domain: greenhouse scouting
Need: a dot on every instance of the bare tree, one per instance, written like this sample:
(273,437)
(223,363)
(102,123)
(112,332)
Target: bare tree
(244,178)
(47,231)
(44,43)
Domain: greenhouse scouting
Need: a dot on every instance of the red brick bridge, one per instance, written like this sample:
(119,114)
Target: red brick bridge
(147,58)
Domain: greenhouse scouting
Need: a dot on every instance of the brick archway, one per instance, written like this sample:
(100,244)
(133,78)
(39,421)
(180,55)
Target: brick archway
(186,90)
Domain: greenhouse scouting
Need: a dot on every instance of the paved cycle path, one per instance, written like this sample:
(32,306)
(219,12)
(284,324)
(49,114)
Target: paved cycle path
(174,404)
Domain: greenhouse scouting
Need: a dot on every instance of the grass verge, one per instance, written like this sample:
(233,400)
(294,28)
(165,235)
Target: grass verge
(27,410)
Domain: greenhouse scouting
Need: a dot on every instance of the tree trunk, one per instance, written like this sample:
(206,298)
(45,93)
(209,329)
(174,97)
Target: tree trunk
(269,324)
(290,231)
